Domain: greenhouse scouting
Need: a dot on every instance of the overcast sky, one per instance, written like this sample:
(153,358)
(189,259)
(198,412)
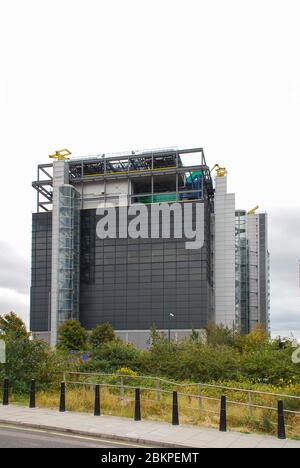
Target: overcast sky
(102,76)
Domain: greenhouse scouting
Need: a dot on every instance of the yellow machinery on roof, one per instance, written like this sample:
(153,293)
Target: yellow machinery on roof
(221,171)
(253,211)
(61,155)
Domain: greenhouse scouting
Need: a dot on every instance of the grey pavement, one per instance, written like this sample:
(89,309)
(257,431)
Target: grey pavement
(150,433)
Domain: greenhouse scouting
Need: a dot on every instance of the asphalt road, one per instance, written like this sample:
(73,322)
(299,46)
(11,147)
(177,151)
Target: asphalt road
(13,437)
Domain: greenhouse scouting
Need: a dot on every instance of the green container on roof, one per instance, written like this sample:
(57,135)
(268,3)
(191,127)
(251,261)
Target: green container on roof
(165,197)
(195,175)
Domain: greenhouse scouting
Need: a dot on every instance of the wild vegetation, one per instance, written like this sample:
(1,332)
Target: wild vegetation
(224,357)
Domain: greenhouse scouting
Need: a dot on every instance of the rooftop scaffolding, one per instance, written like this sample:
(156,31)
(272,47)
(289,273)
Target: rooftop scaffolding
(163,165)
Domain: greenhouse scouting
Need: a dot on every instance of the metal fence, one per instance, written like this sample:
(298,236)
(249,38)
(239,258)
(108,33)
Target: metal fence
(196,397)
(189,401)
(159,385)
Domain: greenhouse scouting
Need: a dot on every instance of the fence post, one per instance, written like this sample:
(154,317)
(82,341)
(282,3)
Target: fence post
(175,415)
(250,404)
(137,408)
(223,415)
(157,390)
(281,423)
(200,397)
(5,392)
(122,388)
(32,395)
(97,401)
(62,400)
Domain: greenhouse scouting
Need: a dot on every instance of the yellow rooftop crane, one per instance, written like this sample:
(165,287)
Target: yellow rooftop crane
(253,211)
(61,155)
(221,171)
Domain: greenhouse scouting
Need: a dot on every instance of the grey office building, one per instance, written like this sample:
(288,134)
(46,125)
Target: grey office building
(137,281)
(252,270)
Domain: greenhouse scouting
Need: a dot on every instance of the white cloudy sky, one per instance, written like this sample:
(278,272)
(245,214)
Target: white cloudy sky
(102,76)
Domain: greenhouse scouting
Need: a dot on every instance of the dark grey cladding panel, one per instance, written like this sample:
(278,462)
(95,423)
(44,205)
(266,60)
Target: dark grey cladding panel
(137,283)
(41,271)
(131,283)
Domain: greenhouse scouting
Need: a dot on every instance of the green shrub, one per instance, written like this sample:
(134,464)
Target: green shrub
(102,334)
(72,336)
(12,327)
(27,360)
(249,361)
(113,355)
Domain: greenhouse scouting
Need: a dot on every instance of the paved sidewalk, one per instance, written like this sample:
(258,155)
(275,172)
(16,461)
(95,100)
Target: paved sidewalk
(155,434)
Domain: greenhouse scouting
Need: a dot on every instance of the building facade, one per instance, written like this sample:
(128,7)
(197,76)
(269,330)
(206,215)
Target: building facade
(252,271)
(176,269)
(242,279)
(224,253)
(259,270)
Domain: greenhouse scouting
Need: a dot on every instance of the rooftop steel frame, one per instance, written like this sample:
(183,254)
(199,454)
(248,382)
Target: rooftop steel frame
(44,187)
(150,163)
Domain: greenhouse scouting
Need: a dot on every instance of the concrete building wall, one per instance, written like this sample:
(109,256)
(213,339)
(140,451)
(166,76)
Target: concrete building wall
(142,338)
(224,254)
(253,238)
(257,232)
(263,270)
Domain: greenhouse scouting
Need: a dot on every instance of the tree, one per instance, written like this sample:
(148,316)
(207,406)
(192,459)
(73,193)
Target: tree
(257,339)
(195,336)
(102,334)
(31,359)
(26,359)
(12,327)
(156,337)
(219,335)
(72,336)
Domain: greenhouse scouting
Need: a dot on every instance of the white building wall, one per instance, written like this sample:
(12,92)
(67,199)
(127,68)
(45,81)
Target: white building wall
(224,254)
(60,177)
(93,192)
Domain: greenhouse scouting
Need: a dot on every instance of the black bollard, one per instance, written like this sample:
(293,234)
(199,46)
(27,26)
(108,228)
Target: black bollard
(281,423)
(62,400)
(5,392)
(223,415)
(32,394)
(97,401)
(175,415)
(137,408)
